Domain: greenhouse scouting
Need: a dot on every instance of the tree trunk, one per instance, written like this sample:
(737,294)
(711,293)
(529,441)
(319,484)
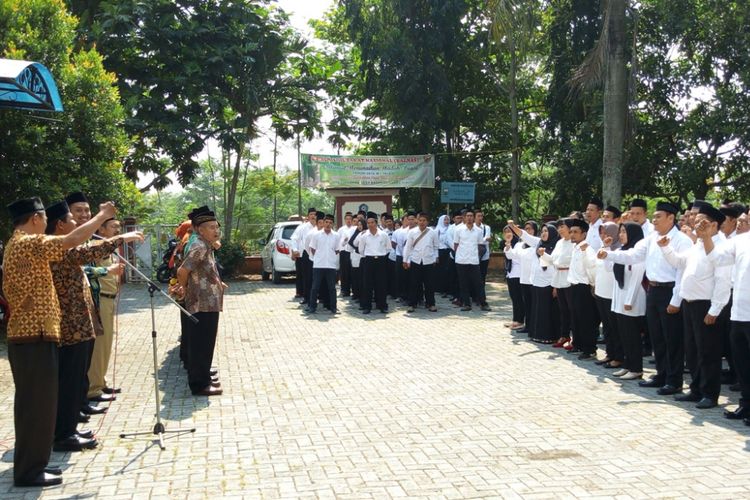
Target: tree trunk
(615,106)
(515,166)
(231,193)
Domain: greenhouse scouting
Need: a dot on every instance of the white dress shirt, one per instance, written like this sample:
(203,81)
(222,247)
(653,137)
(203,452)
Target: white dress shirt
(486,237)
(647,227)
(399,236)
(345,233)
(468,241)
(441,230)
(592,236)
(308,238)
(582,266)
(560,259)
(374,245)
(513,254)
(299,235)
(355,256)
(702,279)
(657,267)
(523,256)
(425,251)
(326,248)
(736,252)
(631,293)
(604,280)
(392,250)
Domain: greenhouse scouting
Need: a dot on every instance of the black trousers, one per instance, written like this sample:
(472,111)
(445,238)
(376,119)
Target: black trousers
(374,271)
(703,349)
(546,314)
(345,269)
(611,336)
(402,278)
(484,266)
(470,284)
(391,283)
(516,298)
(629,329)
(740,336)
(565,303)
(306,276)
(527,292)
(71,393)
(725,327)
(185,338)
(585,318)
(85,379)
(452,279)
(323,276)
(442,270)
(356,282)
(35,369)
(202,342)
(666,336)
(421,284)
(299,277)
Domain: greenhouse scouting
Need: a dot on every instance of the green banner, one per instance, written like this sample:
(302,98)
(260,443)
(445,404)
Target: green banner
(330,171)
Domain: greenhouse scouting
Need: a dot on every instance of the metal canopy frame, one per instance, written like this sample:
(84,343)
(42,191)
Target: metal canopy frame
(28,85)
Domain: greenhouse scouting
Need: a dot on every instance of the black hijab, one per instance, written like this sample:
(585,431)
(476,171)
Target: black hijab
(513,241)
(552,239)
(534,226)
(635,234)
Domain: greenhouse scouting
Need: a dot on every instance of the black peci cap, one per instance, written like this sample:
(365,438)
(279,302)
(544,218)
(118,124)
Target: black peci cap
(665,206)
(638,203)
(712,213)
(26,206)
(77,197)
(616,212)
(57,211)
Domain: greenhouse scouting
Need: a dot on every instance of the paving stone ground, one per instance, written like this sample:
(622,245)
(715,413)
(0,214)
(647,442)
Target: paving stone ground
(446,405)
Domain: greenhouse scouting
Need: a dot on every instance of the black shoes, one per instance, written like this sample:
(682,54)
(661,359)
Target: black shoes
(93,410)
(55,471)
(739,413)
(86,433)
(689,397)
(83,418)
(74,443)
(110,390)
(586,356)
(43,479)
(365,311)
(103,398)
(650,383)
(706,403)
(668,390)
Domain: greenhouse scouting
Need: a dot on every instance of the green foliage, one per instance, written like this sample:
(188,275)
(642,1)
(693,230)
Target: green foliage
(231,256)
(84,148)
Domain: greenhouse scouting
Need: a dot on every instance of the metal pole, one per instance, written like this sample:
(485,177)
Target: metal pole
(275,154)
(299,179)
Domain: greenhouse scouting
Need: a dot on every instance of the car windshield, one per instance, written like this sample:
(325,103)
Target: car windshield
(287,232)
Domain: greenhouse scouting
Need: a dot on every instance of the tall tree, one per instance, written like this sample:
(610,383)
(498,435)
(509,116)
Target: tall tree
(514,27)
(82,148)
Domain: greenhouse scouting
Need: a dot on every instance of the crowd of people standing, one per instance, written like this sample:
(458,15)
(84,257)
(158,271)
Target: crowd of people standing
(675,286)
(406,259)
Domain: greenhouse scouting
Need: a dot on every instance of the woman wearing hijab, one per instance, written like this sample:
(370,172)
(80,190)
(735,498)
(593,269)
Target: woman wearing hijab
(603,290)
(444,250)
(560,259)
(525,254)
(513,279)
(546,313)
(629,303)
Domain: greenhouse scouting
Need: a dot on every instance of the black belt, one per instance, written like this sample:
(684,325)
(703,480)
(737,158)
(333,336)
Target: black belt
(376,256)
(108,295)
(657,284)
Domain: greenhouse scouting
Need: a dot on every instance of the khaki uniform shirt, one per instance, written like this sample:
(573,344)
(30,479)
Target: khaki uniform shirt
(29,287)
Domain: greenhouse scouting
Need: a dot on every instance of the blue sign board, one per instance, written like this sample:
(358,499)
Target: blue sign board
(457,192)
(27,85)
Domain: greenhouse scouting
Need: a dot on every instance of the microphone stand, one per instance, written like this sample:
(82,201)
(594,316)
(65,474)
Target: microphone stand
(158,429)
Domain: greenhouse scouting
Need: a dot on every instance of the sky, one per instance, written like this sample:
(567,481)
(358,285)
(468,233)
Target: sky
(300,13)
